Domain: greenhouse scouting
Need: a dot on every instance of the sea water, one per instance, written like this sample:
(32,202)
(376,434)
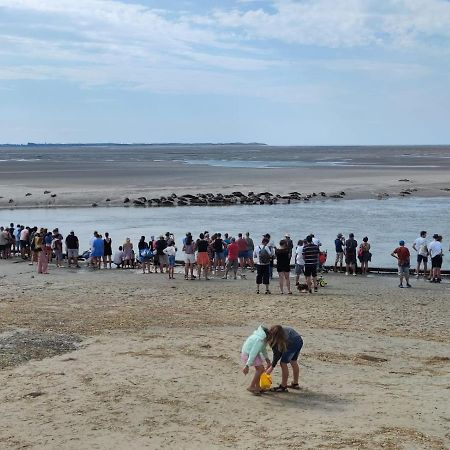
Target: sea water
(385,222)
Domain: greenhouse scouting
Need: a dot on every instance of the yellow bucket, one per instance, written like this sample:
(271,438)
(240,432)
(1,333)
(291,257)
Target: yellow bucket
(265,382)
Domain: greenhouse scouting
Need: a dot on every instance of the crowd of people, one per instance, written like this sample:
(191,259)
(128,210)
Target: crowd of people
(217,254)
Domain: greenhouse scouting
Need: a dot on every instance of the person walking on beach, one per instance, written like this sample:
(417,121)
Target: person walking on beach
(436,253)
(263,255)
(233,259)
(201,246)
(350,254)
(421,247)
(107,251)
(310,254)
(364,255)
(286,345)
(401,253)
(24,242)
(189,257)
(254,353)
(284,266)
(339,243)
(72,248)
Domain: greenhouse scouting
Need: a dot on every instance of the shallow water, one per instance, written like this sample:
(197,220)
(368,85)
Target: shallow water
(384,222)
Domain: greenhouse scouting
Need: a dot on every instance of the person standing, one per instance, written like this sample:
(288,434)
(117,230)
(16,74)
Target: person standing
(299,261)
(38,245)
(202,256)
(107,250)
(163,260)
(403,256)
(311,257)
(243,251)
(72,246)
(233,259)
(364,255)
(189,256)
(289,245)
(250,250)
(421,247)
(436,252)
(263,255)
(219,259)
(339,243)
(284,265)
(350,254)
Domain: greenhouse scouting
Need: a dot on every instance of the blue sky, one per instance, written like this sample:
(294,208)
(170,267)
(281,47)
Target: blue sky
(304,72)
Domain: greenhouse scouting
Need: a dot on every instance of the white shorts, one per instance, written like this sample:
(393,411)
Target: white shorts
(189,258)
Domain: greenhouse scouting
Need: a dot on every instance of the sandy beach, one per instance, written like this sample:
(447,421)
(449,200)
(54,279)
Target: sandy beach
(106,176)
(117,359)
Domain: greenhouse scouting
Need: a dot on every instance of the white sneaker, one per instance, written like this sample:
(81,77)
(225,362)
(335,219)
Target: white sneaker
(354,274)
(346,274)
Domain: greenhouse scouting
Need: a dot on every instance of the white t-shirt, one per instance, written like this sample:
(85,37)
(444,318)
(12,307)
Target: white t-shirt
(299,256)
(257,250)
(421,246)
(170,251)
(435,248)
(316,241)
(118,257)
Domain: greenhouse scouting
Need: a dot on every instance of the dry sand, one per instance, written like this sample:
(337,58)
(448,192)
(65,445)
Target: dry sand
(157,364)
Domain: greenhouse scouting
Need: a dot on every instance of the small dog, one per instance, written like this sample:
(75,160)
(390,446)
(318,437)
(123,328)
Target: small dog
(302,287)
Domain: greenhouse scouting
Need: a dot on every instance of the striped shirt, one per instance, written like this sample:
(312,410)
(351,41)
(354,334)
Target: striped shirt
(310,254)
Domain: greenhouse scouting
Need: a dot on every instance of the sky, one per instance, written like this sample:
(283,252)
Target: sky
(282,72)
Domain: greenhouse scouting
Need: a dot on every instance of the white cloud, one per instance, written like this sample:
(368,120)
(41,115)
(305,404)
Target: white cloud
(227,51)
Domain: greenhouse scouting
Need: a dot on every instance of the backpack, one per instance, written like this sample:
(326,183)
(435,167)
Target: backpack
(264,256)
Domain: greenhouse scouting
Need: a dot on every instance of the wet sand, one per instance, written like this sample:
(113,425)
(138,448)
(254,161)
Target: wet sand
(158,363)
(83,176)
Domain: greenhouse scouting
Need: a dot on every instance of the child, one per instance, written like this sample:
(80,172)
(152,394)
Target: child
(253,353)
(118,258)
(171,252)
(286,345)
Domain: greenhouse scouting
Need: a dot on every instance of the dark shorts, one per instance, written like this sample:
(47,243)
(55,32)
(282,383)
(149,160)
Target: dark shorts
(219,255)
(421,258)
(242,254)
(310,270)
(262,274)
(24,244)
(436,261)
(292,353)
(350,258)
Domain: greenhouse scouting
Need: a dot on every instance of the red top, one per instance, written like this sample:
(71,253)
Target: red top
(402,255)
(233,251)
(242,245)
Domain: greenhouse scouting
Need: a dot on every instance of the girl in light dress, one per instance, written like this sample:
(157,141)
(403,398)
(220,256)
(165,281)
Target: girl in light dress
(128,252)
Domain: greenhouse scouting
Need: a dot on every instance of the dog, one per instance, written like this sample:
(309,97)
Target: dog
(302,288)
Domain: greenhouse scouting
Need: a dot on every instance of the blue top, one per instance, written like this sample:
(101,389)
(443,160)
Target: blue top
(338,245)
(97,248)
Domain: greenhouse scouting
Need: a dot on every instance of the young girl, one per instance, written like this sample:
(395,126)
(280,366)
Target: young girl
(171,252)
(286,344)
(253,353)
